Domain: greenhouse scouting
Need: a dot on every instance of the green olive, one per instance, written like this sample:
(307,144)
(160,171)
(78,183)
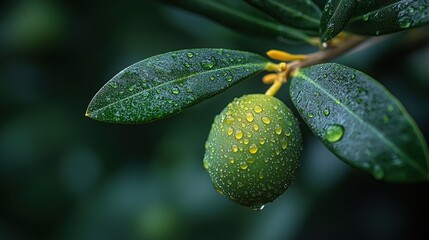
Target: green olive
(253,150)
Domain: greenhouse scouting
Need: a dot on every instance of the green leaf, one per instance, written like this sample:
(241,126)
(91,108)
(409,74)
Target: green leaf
(336,15)
(361,122)
(165,84)
(241,17)
(373,17)
(303,14)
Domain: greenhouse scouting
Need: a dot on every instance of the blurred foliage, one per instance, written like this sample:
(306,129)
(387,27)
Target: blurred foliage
(63,176)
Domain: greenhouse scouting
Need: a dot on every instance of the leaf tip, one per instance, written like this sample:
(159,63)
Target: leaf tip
(87,114)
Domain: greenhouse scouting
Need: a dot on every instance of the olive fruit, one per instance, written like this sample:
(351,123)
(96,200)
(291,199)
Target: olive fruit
(253,150)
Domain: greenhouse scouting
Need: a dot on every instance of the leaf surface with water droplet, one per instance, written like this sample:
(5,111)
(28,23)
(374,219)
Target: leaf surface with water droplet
(335,17)
(165,84)
(367,127)
(374,17)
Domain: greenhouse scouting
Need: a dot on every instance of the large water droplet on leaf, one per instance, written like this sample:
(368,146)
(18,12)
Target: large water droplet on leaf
(334,133)
(253,148)
(208,64)
(175,91)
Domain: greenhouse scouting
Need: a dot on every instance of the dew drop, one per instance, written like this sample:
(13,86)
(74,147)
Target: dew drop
(324,44)
(228,78)
(219,190)
(261,175)
(190,55)
(405,23)
(212,78)
(243,165)
(208,64)
(326,112)
(256,127)
(238,134)
(249,117)
(310,115)
(266,120)
(206,164)
(175,91)
(234,148)
(250,160)
(229,119)
(284,144)
(132,88)
(230,131)
(246,141)
(334,133)
(365,17)
(257,109)
(278,129)
(253,148)
(231,160)
(262,140)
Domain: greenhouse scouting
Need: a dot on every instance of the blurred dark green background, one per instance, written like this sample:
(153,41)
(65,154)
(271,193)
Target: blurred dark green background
(64,176)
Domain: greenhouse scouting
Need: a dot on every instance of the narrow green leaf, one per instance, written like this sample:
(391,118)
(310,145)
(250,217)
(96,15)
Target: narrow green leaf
(162,85)
(241,17)
(361,122)
(336,15)
(373,17)
(302,14)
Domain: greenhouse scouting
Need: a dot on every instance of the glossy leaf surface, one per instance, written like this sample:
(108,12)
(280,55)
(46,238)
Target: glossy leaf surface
(336,15)
(361,122)
(373,17)
(303,14)
(162,85)
(241,17)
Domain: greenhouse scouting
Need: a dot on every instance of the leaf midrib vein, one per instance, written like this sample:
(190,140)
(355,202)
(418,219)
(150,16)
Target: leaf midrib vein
(262,22)
(292,10)
(173,81)
(372,128)
(357,18)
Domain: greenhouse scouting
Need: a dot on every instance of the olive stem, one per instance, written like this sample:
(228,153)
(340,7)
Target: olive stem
(321,56)
(326,54)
